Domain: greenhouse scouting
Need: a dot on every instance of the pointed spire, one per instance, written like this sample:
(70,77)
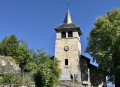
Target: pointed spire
(68,18)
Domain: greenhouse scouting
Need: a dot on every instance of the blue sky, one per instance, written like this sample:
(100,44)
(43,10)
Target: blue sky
(34,20)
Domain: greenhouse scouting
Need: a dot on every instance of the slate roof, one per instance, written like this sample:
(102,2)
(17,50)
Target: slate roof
(68,24)
(64,25)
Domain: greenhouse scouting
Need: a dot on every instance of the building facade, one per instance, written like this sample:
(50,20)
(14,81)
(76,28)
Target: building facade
(76,68)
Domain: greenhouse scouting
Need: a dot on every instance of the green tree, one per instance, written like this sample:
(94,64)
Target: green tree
(104,44)
(9,45)
(22,57)
(46,72)
(18,49)
(23,43)
(2,45)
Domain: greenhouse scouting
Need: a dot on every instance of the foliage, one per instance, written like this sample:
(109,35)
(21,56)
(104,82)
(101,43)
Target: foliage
(104,44)
(22,56)
(0,79)
(46,71)
(23,43)
(10,79)
(9,45)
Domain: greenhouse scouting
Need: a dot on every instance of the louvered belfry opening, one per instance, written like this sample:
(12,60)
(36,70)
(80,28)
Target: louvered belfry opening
(63,34)
(70,34)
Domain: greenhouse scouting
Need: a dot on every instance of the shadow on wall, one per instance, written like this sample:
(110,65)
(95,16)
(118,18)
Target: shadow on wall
(96,77)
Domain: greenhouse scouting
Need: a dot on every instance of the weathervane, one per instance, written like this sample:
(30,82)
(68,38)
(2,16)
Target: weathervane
(67,3)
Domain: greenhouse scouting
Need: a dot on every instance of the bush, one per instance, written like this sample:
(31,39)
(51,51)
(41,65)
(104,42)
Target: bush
(0,79)
(10,79)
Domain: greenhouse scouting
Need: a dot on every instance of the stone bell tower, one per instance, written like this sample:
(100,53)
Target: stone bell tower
(68,48)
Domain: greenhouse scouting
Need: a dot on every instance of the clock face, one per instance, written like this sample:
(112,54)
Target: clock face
(66,48)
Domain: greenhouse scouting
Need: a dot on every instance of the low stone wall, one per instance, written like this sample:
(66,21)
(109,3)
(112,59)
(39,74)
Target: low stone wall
(69,84)
(17,85)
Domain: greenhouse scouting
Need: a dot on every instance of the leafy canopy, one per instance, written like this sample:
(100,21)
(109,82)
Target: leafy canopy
(46,71)
(22,56)
(9,45)
(17,49)
(104,43)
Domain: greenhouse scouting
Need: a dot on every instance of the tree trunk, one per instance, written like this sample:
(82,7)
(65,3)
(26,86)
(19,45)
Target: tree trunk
(38,80)
(117,74)
(117,81)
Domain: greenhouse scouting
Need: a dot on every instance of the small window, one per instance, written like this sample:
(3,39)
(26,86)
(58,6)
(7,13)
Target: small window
(63,34)
(66,61)
(70,34)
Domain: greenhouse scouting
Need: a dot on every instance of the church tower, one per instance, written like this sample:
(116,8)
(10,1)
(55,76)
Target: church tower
(68,48)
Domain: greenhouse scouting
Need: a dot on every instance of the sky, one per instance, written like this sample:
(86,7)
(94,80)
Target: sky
(34,20)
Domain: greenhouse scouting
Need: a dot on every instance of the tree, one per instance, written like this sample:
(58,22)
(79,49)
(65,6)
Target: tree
(22,57)
(9,45)
(23,43)
(17,49)
(46,72)
(104,44)
(2,45)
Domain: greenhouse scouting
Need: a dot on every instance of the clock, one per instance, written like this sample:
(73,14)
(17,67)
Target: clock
(66,48)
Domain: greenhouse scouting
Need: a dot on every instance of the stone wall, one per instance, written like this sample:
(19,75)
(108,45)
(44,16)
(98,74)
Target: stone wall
(69,84)
(8,66)
(84,64)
